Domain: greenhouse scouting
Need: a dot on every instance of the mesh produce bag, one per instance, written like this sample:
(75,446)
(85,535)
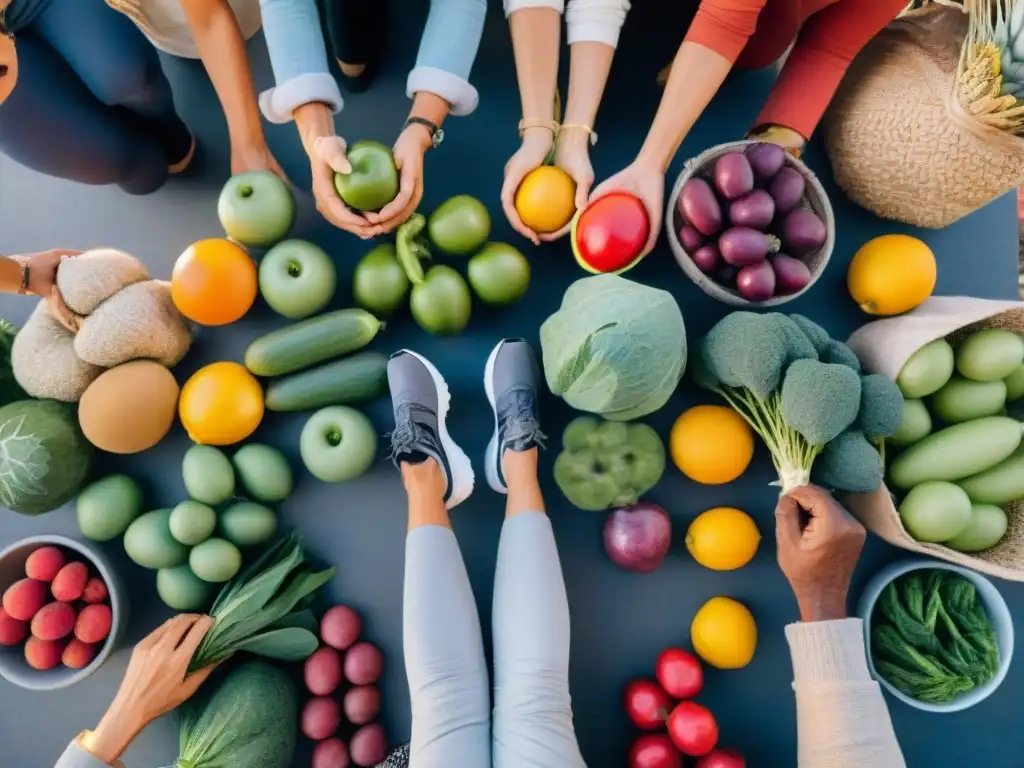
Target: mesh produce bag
(883,347)
(925,127)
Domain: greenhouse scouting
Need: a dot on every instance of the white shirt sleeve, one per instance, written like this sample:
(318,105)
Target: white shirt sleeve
(587,21)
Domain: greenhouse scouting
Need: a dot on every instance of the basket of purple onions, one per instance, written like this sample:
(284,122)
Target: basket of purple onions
(750,224)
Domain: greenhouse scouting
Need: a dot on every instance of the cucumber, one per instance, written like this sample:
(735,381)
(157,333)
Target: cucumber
(312,341)
(342,382)
(927,369)
(1015,384)
(963,399)
(957,452)
(1000,484)
(915,425)
(990,354)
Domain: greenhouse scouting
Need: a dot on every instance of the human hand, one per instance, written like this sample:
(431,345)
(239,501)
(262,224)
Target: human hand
(572,155)
(408,152)
(156,682)
(646,181)
(787,138)
(255,156)
(532,153)
(818,558)
(327,158)
(42,281)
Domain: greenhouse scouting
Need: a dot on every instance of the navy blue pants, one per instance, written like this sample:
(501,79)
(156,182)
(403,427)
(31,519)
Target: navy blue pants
(91,103)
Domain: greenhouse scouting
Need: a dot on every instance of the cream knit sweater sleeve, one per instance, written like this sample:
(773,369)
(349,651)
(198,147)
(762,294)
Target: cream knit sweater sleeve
(842,719)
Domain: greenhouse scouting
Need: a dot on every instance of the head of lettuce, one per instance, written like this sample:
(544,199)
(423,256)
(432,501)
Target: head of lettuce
(615,348)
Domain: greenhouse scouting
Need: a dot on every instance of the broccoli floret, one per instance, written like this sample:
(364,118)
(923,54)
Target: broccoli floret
(820,400)
(743,349)
(817,335)
(849,463)
(838,353)
(800,347)
(881,406)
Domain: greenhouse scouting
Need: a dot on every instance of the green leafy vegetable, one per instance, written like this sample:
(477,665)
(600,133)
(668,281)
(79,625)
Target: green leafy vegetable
(262,609)
(615,348)
(10,389)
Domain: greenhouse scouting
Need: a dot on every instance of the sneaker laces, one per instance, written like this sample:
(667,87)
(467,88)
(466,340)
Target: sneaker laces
(522,424)
(408,433)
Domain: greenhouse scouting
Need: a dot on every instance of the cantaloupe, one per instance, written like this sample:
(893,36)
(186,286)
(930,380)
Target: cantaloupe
(89,279)
(130,407)
(44,361)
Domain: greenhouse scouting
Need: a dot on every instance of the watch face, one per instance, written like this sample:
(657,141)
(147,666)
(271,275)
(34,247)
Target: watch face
(438,137)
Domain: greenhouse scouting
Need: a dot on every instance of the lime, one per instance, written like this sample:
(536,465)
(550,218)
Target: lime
(499,274)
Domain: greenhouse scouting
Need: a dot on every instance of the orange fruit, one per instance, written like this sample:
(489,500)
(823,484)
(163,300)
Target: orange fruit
(891,274)
(221,404)
(214,282)
(546,199)
(711,444)
(724,633)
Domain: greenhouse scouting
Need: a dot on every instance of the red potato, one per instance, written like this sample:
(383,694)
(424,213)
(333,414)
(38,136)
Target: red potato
(363,664)
(54,621)
(331,753)
(323,671)
(756,282)
(722,758)
(44,564)
(699,207)
(734,177)
(787,190)
(647,704)
(43,654)
(693,729)
(369,745)
(24,598)
(361,704)
(320,718)
(78,655)
(93,623)
(95,591)
(69,582)
(679,673)
(340,627)
(654,750)
(12,630)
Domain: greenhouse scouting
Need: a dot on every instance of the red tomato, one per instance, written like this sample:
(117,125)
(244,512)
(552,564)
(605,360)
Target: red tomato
(679,673)
(693,729)
(722,758)
(647,704)
(610,233)
(654,750)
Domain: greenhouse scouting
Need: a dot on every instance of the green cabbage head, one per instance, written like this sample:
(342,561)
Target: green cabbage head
(615,347)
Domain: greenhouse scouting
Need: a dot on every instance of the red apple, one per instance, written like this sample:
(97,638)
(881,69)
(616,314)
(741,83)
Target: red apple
(679,673)
(693,729)
(654,750)
(647,705)
(722,758)
(609,234)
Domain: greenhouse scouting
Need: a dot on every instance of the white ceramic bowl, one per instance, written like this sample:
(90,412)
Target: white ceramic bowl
(998,614)
(13,666)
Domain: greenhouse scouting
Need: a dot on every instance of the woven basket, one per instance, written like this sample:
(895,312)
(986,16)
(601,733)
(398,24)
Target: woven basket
(900,143)
(815,198)
(883,347)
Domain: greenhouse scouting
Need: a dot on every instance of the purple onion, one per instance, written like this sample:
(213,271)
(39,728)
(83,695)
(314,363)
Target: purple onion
(802,231)
(741,246)
(637,537)
(756,282)
(787,189)
(754,210)
(706,258)
(765,159)
(699,207)
(733,175)
(791,275)
(690,238)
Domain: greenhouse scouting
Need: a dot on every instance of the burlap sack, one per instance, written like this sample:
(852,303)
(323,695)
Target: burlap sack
(899,141)
(883,347)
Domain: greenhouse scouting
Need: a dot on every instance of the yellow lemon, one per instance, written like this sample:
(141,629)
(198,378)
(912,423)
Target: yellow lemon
(724,634)
(711,444)
(723,538)
(546,199)
(891,274)
(221,404)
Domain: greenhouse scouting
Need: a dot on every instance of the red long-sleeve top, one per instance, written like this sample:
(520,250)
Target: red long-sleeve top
(828,34)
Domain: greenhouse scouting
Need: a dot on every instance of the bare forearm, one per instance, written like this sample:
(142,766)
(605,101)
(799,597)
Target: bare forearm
(536,35)
(589,65)
(430,107)
(313,121)
(112,736)
(10,275)
(697,74)
(222,49)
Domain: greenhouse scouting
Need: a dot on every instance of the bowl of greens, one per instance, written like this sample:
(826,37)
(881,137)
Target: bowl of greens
(939,637)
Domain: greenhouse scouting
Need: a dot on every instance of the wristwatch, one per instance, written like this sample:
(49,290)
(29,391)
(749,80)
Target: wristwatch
(436,134)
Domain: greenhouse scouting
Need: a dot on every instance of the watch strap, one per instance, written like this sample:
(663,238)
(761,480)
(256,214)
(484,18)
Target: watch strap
(23,288)
(436,134)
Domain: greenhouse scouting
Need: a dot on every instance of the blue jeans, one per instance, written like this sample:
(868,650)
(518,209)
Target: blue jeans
(91,103)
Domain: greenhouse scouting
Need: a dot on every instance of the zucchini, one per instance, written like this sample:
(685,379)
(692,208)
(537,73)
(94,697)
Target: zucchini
(957,452)
(312,341)
(1000,484)
(962,399)
(341,382)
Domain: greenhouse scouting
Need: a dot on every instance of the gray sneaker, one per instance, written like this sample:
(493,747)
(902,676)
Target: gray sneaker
(510,380)
(420,399)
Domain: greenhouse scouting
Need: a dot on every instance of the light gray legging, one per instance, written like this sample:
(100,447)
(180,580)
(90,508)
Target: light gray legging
(444,653)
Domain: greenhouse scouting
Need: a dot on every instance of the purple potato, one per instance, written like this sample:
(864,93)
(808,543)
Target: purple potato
(787,189)
(734,177)
(802,231)
(637,537)
(725,275)
(791,275)
(765,159)
(690,238)
(756,282)
(699,207)
(741,246)
(754,210)
(706,258)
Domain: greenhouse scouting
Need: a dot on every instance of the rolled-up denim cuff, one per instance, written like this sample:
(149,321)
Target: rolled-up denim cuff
(278,103)
(455,90)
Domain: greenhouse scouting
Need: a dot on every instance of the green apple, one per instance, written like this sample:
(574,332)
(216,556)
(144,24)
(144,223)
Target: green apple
(441,303)
(256,209)
(379,284)
(373,182)
(499,274)
(459,226)
(297,278)
(337,444)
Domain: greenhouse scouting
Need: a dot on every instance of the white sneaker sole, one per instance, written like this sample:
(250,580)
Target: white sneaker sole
(491,456)
(461,468)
